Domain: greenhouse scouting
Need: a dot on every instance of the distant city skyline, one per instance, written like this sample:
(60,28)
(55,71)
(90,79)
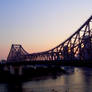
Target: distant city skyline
(40,25)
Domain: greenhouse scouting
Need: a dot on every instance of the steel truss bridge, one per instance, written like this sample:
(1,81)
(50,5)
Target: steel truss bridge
(77,47)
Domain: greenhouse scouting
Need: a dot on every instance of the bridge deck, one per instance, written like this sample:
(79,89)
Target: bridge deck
(50,63)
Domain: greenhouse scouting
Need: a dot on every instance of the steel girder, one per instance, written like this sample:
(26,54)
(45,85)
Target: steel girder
(77,47)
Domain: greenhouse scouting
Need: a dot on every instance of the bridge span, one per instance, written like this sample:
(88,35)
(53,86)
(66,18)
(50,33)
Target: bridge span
(77,47)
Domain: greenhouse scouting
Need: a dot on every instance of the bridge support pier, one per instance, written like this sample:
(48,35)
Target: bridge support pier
(16,70)
(12,70)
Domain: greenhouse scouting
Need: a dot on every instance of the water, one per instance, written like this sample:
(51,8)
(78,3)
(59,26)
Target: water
(77,80)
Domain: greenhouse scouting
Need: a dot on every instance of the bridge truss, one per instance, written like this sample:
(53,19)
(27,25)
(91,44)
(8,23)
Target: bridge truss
(77,47)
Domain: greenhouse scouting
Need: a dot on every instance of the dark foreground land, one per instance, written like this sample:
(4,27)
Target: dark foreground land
(39,71)
(31,73)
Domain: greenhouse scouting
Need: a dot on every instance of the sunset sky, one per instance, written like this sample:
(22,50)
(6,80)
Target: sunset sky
(40,25)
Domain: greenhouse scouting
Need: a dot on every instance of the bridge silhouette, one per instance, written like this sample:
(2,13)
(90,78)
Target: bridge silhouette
(77,47)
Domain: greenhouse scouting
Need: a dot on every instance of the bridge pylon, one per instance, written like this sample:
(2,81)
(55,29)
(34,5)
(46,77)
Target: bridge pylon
(16,53)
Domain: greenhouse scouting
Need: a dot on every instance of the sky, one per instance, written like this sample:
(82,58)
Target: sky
(39,25)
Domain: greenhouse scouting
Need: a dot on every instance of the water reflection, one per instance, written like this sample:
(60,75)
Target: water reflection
(76,80)
(11,87)
(14,87)
(3,87)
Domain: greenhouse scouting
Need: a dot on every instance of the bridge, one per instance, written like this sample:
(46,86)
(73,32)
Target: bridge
(76,48)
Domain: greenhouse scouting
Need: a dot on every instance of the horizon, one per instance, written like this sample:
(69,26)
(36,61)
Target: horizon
(39,25)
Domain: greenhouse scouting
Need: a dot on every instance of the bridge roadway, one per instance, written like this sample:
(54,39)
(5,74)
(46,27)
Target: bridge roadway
(50,63)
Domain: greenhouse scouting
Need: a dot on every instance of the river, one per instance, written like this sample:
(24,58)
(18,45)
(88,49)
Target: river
(76,80)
